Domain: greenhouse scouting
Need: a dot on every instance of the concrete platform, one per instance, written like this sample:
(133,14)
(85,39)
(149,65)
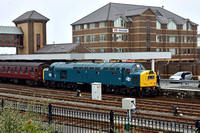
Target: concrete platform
(189,90)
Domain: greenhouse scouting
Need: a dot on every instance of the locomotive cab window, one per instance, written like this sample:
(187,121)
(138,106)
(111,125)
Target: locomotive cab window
(63,74)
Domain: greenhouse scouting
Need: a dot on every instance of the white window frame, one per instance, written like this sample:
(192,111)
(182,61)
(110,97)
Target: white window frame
(185,38)
(102,24)
(85,26)
(92,25)
(78,39)
(102,37)
(119,37)
(158,25)
(172,38)
(172,25)
(189,26)
(77,27)
(120,22)
(92,38)
(173,51)
(157,38)
(185,26)
(119,50)
(102,50)
(85,38)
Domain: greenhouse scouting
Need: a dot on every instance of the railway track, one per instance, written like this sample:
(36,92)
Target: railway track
(158,107)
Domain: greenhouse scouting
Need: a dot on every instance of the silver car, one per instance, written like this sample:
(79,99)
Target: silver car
(177,76)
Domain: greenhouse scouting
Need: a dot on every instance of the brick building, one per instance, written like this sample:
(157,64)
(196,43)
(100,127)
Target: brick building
(133,28)
(33,25)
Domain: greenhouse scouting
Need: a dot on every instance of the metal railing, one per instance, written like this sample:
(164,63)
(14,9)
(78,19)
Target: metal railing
(75,120)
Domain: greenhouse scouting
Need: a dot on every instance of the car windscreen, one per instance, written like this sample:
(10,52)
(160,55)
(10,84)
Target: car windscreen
(178,74)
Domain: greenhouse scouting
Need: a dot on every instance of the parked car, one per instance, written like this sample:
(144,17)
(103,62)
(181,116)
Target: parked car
(177,76)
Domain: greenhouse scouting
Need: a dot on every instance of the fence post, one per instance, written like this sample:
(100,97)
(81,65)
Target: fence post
(111,122)
(2,102)
(50,113)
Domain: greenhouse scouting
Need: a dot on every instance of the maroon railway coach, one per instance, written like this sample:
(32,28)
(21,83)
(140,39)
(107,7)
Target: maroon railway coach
(24,72)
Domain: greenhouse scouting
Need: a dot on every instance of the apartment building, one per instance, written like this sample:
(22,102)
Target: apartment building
(119,27)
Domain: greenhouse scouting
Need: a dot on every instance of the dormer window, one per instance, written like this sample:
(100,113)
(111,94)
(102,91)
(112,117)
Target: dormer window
(185,26)
(158,25)
(189,26)
(120,22)
(172,26)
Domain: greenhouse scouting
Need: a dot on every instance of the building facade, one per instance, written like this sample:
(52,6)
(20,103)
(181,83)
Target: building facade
(33,26)
(132,28)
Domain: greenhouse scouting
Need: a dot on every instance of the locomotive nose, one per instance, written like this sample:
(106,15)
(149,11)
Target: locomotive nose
(148,78)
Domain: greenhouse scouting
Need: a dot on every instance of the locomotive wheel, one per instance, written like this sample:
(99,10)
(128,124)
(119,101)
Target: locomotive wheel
(115,90)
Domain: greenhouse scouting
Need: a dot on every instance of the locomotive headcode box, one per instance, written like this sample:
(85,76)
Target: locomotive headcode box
(128,103)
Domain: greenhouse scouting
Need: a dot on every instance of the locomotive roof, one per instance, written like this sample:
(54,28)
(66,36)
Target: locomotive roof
(25,64)
(66,64)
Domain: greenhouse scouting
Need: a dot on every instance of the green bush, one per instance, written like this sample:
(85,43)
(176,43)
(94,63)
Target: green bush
(15,121)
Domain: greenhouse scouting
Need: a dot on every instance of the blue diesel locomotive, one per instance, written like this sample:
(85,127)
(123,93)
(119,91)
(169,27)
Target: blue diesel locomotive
(126,78)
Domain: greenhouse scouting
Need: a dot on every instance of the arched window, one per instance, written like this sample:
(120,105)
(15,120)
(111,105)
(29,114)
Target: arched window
(171,25)
(158,25)
(119,22)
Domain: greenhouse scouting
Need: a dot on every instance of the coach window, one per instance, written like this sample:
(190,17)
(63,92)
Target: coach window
(20,70)
(8,69)
(26,70)
(35,70)
(32,71)
(15,69)
(4,69)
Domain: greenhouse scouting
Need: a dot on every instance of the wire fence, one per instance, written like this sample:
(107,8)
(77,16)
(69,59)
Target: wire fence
(69,120)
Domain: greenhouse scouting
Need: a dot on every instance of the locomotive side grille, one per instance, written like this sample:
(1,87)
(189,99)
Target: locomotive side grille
(135,79)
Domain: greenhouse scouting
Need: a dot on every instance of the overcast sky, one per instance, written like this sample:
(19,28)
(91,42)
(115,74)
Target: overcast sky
(62,13)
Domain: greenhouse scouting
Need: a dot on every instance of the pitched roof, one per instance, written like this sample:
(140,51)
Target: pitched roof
(59,48)
(31,16)
(111,10)
(11,30)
